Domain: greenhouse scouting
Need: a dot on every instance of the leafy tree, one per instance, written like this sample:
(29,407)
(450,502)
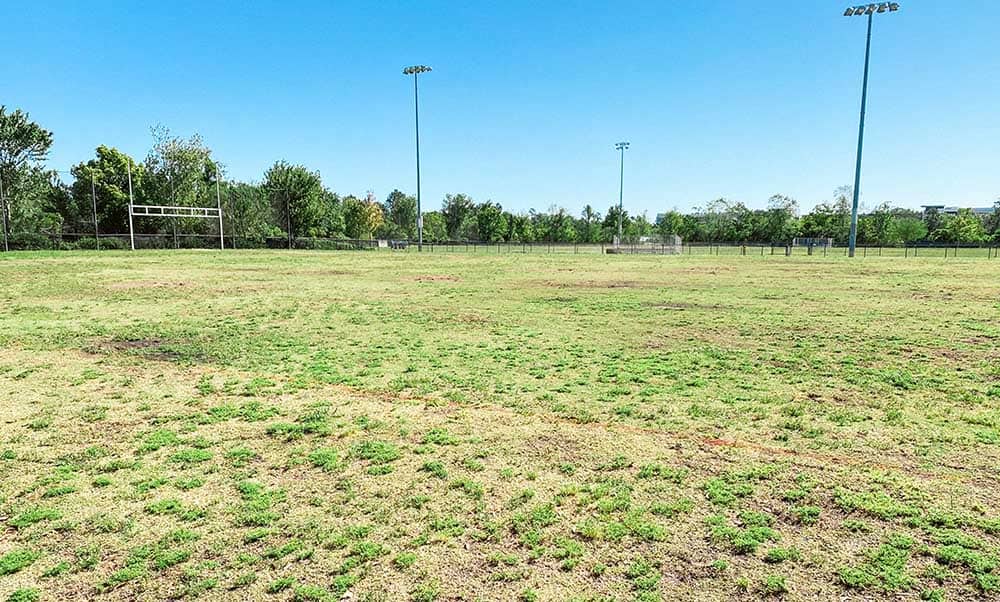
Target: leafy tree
(469,228)
(669,224)
(934,221)
(491,222)
(296,197)
(610,224)
(966,227)
(332,221)
(590,225)
(779,222)
(520,228)
(400,216)
(992,222)
(878,227)
(435,229)
(106,176)
(830,220)
(910,230)
(180,172)
(456,209)
(246,211)
(24,146)
(362,217)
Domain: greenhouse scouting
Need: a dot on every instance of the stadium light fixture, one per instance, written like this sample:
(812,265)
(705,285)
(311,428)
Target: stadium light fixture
(621,147)
(868,10)
(416,70)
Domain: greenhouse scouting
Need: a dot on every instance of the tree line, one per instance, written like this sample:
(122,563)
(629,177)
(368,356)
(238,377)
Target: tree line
(40,205)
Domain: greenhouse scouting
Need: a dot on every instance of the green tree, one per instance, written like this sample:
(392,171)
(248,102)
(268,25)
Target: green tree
(362,217)
(491,223)
(779,222)
(610,224)
(435,229)
(910,230)
(669,224)
(830,220)
(332,220)
(879,226)
(456,209)
(964,228)
(296,197)
(401,216)
(246,211)
(590,225)
(24,146)
(106,176)
(933,220)
(992,223)
(520,228)
(182,173)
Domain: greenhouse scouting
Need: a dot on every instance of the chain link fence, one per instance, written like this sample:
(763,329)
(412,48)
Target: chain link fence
(111,242)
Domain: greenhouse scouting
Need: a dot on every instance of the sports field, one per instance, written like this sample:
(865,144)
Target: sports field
(279,425)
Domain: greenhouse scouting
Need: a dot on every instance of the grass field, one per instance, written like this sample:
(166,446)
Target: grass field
(378,426)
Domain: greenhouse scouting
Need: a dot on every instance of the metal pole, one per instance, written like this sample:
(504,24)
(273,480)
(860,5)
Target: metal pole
(288,220)
(93,197)
(218,204)
(416,121)
(3,209)
(131,232)
(621,189)
(861,138)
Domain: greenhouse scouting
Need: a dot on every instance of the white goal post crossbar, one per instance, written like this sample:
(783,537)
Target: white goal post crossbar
(173,211)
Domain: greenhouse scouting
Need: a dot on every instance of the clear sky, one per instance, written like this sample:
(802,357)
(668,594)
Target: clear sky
(736,99)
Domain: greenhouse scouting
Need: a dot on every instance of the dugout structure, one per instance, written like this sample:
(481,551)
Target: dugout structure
(173,211)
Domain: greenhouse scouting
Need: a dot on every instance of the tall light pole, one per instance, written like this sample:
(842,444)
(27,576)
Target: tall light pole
(621,146)
(857,11)
(415,71)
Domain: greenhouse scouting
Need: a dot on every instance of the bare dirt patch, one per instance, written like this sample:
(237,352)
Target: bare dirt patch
(134,284)
(681,306)
(435,278)
(595,284)
(152,349)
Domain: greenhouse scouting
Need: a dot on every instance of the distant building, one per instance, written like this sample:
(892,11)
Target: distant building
(953,210)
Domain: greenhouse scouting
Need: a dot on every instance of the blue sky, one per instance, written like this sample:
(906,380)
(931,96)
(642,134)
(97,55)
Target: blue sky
(735,99)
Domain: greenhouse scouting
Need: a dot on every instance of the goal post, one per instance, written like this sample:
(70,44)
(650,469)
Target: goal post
(173,210)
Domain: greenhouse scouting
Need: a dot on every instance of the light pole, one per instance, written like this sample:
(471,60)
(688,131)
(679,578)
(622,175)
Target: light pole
(857,11)
(415,71)
(621,146)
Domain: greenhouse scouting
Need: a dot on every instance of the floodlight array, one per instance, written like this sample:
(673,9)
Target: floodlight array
(621,145)
(871,9)
(416,69)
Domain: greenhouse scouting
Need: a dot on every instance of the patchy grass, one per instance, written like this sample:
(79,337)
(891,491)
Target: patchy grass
(305,426)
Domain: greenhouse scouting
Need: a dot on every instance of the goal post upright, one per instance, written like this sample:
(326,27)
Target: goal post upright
(218,205)
(131,232)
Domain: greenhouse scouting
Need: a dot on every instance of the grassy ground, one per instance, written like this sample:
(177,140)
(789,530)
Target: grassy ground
(378,426)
